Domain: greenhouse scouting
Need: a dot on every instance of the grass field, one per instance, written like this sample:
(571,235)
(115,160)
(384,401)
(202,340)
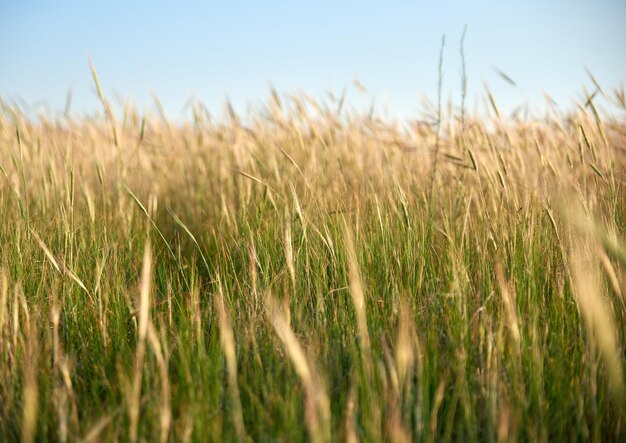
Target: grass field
(309,273)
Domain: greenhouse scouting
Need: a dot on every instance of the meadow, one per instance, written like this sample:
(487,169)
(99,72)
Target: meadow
(307,272)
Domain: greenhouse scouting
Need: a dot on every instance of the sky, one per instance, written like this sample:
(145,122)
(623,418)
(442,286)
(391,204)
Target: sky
(212,50)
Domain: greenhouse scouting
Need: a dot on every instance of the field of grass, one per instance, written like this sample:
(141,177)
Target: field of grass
(309,273)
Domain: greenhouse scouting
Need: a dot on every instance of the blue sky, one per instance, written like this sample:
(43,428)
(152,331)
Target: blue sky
(210,50)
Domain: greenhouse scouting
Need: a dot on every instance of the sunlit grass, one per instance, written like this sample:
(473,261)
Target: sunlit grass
(309,273)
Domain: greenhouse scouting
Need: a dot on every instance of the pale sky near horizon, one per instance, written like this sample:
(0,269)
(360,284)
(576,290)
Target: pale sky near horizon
(210,50)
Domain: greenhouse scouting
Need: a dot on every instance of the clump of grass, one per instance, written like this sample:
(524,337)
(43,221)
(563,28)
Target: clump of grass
(428,282)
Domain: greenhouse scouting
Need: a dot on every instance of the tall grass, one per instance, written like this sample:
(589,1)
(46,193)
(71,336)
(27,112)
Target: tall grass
(310,273)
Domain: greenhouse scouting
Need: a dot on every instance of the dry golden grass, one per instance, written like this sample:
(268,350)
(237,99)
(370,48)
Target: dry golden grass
(428,281)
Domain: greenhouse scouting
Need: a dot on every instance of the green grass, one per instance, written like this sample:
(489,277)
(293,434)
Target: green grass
(494,307)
